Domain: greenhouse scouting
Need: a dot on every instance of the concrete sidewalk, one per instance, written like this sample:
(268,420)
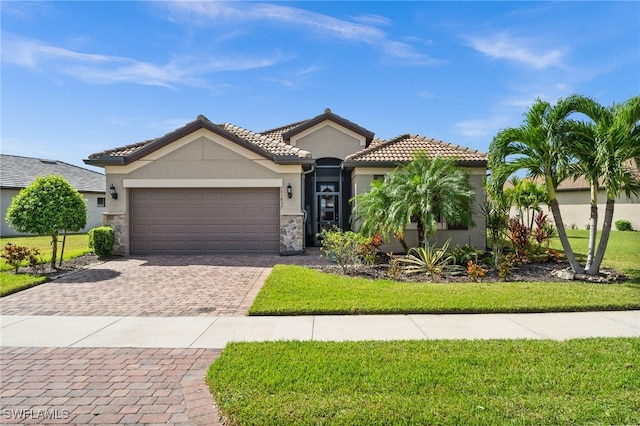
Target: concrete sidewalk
(215,332)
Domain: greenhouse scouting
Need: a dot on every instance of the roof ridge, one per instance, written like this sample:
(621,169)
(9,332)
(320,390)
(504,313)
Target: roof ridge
(277,129)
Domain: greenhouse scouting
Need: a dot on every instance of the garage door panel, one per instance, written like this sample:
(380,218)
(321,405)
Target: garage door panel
(199,221)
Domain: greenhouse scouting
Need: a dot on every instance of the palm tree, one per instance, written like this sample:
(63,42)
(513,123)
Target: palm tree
(536,147)
(428,190)
(610,145)
(423,191)
(371,211)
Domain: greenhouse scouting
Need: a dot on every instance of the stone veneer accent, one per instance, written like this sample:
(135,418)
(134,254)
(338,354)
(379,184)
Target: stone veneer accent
(119,224)
(291,233)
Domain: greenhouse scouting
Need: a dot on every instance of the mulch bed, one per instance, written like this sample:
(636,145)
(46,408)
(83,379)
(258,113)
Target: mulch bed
(531,272)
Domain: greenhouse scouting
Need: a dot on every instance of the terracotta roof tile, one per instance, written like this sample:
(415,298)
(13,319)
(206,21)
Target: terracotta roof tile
(279,131)
(273,146)
(122,151)
(401,149)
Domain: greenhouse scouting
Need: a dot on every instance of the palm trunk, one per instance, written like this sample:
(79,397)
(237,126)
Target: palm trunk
(562,233)
(604,237)
(420,234)
(593,225)
(402,242)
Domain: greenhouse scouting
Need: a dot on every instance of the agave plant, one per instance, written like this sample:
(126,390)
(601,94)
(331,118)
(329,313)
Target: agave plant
(429,259)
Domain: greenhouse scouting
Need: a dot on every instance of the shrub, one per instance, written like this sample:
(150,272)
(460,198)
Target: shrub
(343,247)
(430,260)
(395,269)
(623,225)
(464,254)
(101,241)
(505,266)
(519,236)
(369,250)
(475,271)
(15,255)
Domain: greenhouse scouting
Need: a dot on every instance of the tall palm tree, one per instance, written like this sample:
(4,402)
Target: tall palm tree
(428,190)
(612,146)
(536,147)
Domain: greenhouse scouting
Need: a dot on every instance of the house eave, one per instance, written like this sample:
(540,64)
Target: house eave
(292,159)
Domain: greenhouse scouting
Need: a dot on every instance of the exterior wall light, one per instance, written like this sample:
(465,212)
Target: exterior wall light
(289,190)
(112,191)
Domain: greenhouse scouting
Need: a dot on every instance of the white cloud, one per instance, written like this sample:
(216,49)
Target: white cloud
(522,50)
(107,69)
(481,128)
(302,20)
(371,19)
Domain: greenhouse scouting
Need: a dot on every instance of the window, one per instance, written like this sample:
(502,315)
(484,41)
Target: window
(102,202)
(457,227)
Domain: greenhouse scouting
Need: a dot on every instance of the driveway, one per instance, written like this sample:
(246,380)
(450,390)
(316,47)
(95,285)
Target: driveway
(88,385)
(155,286)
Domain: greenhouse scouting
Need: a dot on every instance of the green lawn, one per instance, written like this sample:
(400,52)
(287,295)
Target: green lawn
(294,290)
(622,250)
(76,245)
(587,381)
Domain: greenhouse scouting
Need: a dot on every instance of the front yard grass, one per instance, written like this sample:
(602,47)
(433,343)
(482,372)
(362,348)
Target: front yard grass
(76,245)
(586,381)
(293,290)
(296,290)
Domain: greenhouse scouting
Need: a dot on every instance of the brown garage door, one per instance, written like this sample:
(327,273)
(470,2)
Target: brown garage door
(201,221)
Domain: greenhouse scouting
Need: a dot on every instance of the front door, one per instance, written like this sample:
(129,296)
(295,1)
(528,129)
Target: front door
(328,205)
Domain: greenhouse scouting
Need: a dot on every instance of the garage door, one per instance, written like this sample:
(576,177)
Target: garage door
(204,220)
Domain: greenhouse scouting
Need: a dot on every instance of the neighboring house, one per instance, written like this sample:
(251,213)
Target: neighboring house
(574,199)
(18,172)
(218,188)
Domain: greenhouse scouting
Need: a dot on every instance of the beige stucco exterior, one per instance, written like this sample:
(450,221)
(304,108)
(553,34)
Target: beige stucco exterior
(206,158)
(201,159)
(328,140)
(575,208)
(475,236)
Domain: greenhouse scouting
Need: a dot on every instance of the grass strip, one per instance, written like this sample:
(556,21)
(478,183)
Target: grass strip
(585,381)
(12,283)
(296,290)
(75,245)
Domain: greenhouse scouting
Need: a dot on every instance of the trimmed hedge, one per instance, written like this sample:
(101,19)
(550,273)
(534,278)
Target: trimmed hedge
(101,241)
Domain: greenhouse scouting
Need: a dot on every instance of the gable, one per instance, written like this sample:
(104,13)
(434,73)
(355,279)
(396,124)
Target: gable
(202,155)
(328,139)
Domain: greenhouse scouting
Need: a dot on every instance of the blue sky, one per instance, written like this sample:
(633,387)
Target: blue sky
(81,77)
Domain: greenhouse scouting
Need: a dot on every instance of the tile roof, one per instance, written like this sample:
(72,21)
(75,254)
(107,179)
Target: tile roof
(401,149)
(273,144)
(18,172)
(279,131)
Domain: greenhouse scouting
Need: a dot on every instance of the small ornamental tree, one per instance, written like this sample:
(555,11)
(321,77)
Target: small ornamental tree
(46,207)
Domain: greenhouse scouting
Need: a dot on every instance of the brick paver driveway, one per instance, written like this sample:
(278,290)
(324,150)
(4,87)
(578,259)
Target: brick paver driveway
(155,286)
(127,385)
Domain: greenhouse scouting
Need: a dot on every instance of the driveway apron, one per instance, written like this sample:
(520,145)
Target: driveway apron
(128,385)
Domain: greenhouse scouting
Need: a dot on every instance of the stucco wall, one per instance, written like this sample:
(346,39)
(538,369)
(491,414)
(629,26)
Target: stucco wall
(94,213)
(327,140)
(575,209)
(475,236)
(202,160)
